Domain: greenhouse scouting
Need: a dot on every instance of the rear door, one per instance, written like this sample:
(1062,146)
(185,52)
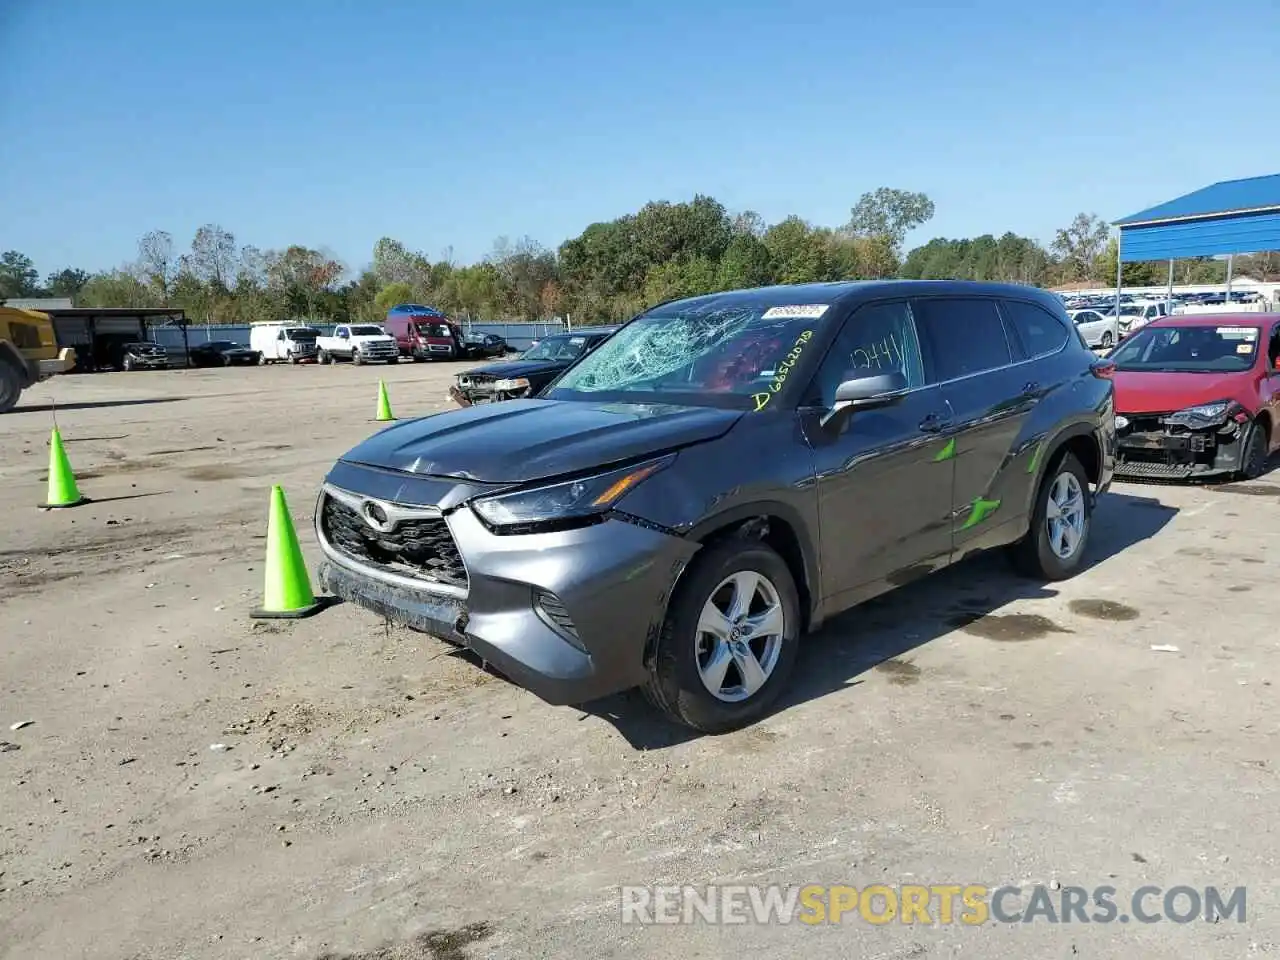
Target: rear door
(971,354)
(884,477)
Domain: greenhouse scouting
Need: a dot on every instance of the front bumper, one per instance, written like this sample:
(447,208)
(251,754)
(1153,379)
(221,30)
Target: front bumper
(1149,450)
(150,362)
(64,361)
(567,615)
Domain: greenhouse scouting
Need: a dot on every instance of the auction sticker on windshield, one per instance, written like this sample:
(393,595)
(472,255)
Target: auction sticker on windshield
(1237,333)
(799,311)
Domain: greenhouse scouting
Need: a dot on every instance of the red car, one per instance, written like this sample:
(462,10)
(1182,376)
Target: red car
(1198,396)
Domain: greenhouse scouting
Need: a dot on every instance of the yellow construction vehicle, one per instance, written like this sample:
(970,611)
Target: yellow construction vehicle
(29,352)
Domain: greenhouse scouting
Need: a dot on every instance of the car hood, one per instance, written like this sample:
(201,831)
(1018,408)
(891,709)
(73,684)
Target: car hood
(1153,392)
(518,368)
(522,440)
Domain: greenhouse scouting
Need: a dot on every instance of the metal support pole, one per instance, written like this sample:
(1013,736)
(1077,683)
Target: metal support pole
(1231,261)
(1119,275)
(1169,294)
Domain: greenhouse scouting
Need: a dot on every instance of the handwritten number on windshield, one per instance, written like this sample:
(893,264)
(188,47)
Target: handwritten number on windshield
(784,368)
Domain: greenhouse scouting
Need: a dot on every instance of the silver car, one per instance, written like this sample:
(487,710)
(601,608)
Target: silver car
(1097,330)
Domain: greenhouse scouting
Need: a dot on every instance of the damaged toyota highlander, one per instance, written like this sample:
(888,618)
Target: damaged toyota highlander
(685,502)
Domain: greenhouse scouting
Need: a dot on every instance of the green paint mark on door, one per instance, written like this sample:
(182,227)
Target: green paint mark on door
(1035,458)
(947,452)
(979,511)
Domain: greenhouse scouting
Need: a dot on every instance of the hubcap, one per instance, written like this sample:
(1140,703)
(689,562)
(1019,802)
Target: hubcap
(740,636)
(1064,516)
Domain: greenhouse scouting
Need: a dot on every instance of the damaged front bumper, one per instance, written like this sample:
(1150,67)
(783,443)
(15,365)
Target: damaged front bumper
(567,615)
(1171,447)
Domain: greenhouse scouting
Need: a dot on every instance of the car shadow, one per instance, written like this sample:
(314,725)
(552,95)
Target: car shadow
(90,405)
(877,635)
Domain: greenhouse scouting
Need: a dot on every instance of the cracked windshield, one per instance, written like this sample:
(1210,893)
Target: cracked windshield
(738,352)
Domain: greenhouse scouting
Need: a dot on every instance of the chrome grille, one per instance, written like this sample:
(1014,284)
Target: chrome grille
(421,547)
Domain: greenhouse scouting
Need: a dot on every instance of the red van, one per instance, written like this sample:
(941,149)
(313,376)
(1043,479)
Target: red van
(423,332)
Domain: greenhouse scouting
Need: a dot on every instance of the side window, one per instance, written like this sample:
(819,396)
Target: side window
(961,336)
(1273,350)
(878,338)
(1040,331)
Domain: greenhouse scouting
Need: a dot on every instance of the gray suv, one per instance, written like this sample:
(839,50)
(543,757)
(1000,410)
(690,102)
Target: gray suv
(679,507)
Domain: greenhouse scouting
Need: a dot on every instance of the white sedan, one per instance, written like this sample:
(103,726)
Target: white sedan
(1097,330)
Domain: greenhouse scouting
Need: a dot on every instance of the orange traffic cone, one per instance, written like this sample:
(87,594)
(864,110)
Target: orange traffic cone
(287,591)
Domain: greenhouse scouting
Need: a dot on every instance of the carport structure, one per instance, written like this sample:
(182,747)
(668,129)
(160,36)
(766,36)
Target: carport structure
(1234,216)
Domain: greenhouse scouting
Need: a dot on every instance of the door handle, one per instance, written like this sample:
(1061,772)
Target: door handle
(1030,387)
(935,423)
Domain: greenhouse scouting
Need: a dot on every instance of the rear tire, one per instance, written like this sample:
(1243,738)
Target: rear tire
(686,652)
(356,358)
(1253,462)
(323,357)
(10,386)
(1041,553)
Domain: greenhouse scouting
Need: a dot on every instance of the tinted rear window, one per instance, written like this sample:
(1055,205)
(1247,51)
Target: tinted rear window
(1040,331)
(961,336)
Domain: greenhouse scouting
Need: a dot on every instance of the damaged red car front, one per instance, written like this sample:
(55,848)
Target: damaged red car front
(1198,396)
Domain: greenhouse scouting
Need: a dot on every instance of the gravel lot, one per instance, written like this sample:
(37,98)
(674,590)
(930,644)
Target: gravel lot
(383,797)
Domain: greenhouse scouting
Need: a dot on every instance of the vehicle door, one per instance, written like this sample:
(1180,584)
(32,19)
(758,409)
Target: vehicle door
(1269,387)
(884,475)
(971,353)
(1091,326)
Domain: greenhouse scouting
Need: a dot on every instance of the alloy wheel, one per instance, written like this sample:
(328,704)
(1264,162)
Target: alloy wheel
(739,636)
(1065,515)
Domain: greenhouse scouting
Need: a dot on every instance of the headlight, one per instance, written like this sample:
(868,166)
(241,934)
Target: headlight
(1202,414)
(570,500)
(515,383)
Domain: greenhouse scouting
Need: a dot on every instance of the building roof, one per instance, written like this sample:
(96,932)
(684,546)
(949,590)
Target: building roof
(1251,195)
(40,303)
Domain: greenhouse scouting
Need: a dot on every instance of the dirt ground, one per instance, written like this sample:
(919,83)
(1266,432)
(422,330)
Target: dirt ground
(376,795)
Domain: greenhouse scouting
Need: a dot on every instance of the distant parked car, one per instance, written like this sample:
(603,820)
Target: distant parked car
(528,373)
(481,345)
(222,353)
(143,356)
(1097,330)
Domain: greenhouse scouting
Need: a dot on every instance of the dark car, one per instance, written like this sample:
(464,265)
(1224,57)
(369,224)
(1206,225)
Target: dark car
(1198,396)
(143,355)
(722,475)
(531,371)
(222,353)
(478,346)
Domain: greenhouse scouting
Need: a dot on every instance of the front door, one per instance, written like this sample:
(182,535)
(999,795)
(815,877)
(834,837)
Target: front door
(884,476)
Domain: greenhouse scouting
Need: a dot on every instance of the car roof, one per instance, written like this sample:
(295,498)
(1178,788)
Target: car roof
(1216,320)
(853,291)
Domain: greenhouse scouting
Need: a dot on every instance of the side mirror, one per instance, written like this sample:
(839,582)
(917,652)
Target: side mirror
(863,393)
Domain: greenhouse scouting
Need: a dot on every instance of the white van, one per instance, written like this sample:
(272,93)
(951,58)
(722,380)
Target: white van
(275,341)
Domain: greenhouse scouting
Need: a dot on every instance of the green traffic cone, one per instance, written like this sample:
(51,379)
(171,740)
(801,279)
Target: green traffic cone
(63,491)
(384,404)
(287,592)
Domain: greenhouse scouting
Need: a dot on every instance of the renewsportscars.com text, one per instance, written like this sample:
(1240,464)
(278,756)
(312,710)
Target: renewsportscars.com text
(970,905)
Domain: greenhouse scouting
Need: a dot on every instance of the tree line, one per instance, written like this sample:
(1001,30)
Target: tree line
(609,272)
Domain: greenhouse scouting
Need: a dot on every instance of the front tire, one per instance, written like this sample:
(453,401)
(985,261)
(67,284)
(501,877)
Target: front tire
(356,358)
(1253,462)
(1054,546)
(729,640)
(10,386)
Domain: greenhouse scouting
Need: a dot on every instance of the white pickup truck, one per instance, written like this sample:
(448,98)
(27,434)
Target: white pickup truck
(359,343)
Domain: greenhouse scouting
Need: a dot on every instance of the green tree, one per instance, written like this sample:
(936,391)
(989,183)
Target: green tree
(157,263)
(746,263)
(18,276)
(392,294)
(117,288)
(888,214)
(67,282)
(1080,244)
(213,256)
(798,252)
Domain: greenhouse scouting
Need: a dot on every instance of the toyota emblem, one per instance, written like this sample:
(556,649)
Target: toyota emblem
(375,514)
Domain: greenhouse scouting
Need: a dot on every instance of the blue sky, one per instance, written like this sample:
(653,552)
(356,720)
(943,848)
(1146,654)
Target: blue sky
(449,124)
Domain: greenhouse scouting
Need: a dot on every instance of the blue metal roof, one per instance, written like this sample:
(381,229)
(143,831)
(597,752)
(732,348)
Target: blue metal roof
(1179,239)
(1229,196)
